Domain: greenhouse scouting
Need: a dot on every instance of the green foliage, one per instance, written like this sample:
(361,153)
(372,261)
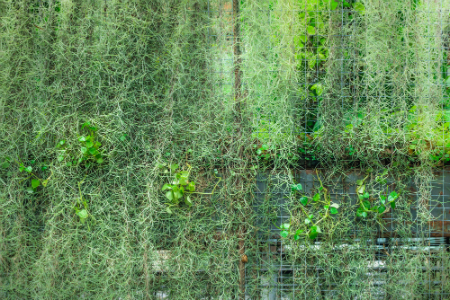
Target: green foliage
(81,207)
(180,188)
(320,204)
(35,181)
(366,205)
(263,152)
(88,149)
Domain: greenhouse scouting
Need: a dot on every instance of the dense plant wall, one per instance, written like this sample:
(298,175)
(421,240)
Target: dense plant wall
(134,132)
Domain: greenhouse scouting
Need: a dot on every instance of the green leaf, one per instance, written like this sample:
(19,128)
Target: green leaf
(82,139)
(366,195)
(188,201)
(83,214)
(334,5)
(29,169)
(61,143)
(392,196)
(84,150)
(364,214)
(89,144)
(123,137)
(265,147)
(93,151)
(173,167)
(259,151)
(285,226)
(326,207)
(177,194)
(296,187)
(69,164)
(5,165)
(311,30)
(316,197)
(393,204)
(284,233)
(60,158)
(313,234)
(86,124)
(381,209)
(191,186)
(307,221)
(169,195)
(168,210)
(333,210)
(366,204)
(30,190)
(304,200)
(383,199)
(314,231)
(297,234)
(35,183)
(361,189)
(166,187)
(100,160)
(359,7)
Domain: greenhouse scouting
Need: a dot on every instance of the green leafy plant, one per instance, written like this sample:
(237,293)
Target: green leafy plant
(286,231)
(366,206)
(319,204)
(180,188)
(89,146)
(263,152)
(81,207)
(36,181)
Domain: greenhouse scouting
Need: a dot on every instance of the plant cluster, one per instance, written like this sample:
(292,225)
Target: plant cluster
(89,151)
(35,180)
(316,209)
(89,148)
(179,189)
(364,197)
(319,208)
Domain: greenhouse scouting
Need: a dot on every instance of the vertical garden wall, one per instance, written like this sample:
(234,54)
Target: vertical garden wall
(215,149)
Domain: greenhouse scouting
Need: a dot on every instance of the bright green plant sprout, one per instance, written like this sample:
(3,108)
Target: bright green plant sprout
(90,145)
(263,152)
(81,207)
(36,181)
